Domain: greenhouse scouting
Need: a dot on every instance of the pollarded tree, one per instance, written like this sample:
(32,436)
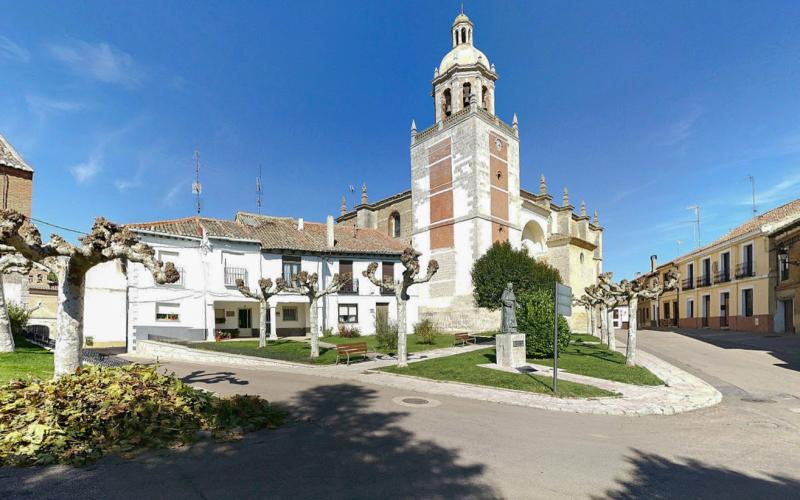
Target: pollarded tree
(10,262)
(106,242)
(671,279)
(588,304)
(410,261)
(502,264)
(307,284)
(267,292)
(601,292)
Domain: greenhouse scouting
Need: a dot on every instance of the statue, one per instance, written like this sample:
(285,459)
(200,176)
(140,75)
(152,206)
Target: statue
(508,323)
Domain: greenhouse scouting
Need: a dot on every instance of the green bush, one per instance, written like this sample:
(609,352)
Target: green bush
(425,331)
(385,332)
(328,332)
(502,264)
(349,332)
(18,316)
(81,417)
(535,320)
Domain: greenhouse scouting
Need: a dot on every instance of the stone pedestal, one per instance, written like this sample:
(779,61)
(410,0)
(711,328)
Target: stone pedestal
(510,350)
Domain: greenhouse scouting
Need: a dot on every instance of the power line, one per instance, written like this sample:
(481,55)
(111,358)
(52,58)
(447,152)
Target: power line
(57,226)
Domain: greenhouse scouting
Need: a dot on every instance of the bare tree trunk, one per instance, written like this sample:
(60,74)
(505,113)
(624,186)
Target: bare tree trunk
(6,335)
(630,348)
(68,355)
(588,320)
(262,323)
(603,327)
(312,312)
(612,340)
(402,356)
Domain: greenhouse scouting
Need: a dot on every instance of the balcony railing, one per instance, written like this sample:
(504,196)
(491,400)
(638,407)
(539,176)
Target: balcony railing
(722,276)
(235,273)
(703,281)
(688,284)
(180,281)
(350,288)
(745,270)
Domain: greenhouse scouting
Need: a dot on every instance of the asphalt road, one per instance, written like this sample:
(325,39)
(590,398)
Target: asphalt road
(355,441)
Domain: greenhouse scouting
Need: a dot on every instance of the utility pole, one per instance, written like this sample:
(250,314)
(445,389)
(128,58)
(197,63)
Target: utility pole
(696,222)
(258,191)
(197,188)
(753,190)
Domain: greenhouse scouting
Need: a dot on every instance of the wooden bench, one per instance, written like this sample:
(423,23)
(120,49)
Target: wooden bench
(464,338)
(348,350)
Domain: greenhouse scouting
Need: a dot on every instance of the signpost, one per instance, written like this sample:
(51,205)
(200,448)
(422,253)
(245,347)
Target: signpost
(563,305)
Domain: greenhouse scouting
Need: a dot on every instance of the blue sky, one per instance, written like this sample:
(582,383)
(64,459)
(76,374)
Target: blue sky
(640,108)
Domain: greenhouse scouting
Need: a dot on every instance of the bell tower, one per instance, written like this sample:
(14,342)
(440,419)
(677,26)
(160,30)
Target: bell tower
(465,182)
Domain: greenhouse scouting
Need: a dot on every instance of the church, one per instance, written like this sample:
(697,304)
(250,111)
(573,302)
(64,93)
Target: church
(466,194)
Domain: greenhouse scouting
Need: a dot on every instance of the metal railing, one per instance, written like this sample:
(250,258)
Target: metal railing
(745,270)
(235,273)
(722,276)
(703,281)
(688,284)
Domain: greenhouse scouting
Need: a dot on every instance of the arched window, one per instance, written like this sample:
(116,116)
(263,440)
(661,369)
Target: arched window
(448,102)
(485,98)
(467,93)
(463,35)
(394,225)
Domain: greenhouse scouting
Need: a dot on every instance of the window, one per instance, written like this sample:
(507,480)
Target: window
(291,267)
(387,275)
(219,316)
(747,302)
(346,267)
(466,92)
(394,225)
(169,256)
(690,271)
(448,102)
(348,313)
(783,267)
(690,308)
(167,312)
(290,314)
(747,260)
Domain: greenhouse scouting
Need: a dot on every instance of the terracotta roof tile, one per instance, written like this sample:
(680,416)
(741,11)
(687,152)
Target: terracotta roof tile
(279,233)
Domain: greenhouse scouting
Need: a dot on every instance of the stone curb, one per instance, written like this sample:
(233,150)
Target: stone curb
(683,392)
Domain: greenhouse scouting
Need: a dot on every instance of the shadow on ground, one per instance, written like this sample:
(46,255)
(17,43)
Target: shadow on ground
(337,446)
(654,476)
(213,378)
(784,347)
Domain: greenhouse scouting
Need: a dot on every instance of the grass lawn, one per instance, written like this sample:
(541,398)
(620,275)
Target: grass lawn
(29,360)
(595,360)
(464,368)
(284,350)
(412,342)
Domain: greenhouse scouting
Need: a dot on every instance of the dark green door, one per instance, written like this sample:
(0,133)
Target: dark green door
(244,318)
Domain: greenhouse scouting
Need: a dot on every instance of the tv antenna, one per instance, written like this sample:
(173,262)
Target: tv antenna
(753,190)
(197,188)
(696,222)
(258,191)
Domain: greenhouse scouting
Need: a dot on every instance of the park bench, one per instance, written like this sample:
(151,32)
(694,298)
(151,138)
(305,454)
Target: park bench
(464,338)
(348,350)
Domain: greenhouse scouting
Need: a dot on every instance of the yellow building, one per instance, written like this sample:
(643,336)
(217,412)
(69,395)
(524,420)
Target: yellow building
(728,284)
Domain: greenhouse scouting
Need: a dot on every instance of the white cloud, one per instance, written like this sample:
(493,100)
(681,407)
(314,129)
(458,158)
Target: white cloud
(680,130)
(85,172)
(174,193)
(42,105)
(10,50)
(100,61)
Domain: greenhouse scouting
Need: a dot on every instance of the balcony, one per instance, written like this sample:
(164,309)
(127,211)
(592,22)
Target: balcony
(703,281)
(745,270)
(688,284)
(235,273)
(180,281)
(723,276)
(350,288)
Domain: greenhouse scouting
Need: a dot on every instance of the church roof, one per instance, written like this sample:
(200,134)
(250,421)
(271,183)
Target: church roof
(278,234)
(464,54)
(10,158)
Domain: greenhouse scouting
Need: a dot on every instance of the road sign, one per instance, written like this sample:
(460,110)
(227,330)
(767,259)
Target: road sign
(564,299)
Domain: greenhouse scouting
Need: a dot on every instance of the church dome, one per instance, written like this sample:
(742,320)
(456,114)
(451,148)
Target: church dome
(464,54)
(461,18)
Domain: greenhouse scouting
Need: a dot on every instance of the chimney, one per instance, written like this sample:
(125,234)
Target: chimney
(653,263)
(300,224)
(330,232)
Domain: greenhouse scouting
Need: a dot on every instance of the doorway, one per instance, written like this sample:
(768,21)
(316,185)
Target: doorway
(788,315)
(382,311)
(724,307)
(706,310)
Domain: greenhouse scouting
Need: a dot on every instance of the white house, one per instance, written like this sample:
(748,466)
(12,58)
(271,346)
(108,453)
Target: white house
(211,254)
